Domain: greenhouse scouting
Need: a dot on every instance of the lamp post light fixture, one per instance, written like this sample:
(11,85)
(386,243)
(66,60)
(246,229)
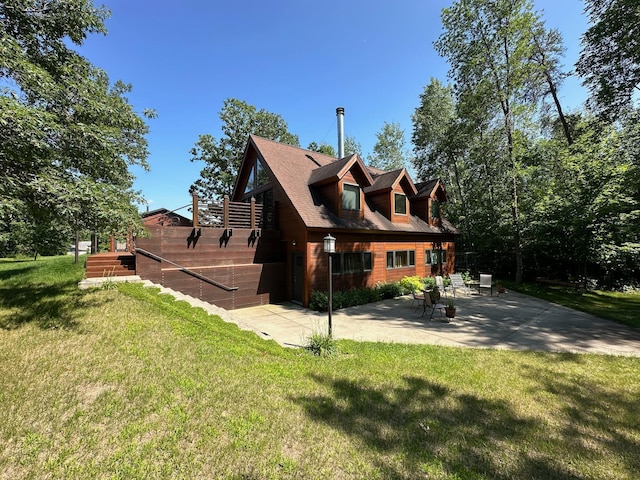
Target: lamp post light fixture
(330,248)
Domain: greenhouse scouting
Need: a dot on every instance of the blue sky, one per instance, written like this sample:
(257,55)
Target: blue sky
(297,58)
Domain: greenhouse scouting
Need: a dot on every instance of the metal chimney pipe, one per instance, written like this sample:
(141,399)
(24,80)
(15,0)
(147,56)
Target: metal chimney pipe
(340,115)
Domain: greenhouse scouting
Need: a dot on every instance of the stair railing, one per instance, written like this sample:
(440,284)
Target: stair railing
(185,270)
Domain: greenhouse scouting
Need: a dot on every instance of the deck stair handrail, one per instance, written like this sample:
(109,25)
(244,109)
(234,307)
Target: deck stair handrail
(185,270)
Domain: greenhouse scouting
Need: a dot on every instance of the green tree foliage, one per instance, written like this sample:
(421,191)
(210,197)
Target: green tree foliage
(584,217)
(351,146)
(223,157)
(67,135)
(322,148)
(489,45)
(610,59)
(389,152)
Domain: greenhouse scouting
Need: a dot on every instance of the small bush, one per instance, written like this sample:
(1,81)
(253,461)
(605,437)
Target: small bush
(321,344)
(429,283)
(319,301)
(389,290)
(411,284)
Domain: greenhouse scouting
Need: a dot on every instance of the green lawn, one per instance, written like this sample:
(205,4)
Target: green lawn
(126,383)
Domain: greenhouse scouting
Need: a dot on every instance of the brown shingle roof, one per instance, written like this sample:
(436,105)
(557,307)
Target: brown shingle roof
(296,173)
(387,181)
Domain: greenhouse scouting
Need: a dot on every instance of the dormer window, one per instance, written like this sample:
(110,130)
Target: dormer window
(435,209)
(350,197)
(400,203)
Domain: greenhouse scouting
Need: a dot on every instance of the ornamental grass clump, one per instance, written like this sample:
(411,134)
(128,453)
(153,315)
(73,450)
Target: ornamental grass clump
(321,344)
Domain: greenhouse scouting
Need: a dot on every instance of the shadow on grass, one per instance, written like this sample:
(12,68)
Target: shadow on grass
(430,426)
(47,306)
(18,268)
(595,420)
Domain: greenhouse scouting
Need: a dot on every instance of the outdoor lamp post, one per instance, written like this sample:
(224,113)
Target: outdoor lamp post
(329,248)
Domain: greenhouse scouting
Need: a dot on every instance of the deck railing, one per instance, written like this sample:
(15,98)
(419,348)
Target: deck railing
(228,214)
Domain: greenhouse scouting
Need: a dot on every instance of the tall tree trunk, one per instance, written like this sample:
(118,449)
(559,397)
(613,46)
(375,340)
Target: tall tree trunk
(77,247)
(554,93)
(515,214)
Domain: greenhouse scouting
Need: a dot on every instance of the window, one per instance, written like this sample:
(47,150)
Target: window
(435,208)
(434,257)
(400,203)
(350,197)
(257,177)
(351,262)
(401,259)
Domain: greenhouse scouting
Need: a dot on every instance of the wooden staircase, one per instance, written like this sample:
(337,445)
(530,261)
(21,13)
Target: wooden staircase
(111,264)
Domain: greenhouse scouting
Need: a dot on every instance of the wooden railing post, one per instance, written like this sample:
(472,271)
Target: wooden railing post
(225,212)
(196,208)
(253,213)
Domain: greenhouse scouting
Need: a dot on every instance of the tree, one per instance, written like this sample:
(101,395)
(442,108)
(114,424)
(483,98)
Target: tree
(547,50)
(609,62)
(441,144)
(389,152)
(489,46)
(67,135)
(223,157)
(351,146)
(322,148)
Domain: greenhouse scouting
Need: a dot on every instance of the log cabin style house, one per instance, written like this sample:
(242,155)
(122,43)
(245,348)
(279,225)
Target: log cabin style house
(386,227)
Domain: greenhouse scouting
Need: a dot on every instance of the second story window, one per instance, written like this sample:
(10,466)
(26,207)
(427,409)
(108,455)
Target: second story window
(400,203)
(350,197)
(435,209)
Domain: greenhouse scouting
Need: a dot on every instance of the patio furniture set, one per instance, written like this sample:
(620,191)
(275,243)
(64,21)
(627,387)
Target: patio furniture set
(468,287)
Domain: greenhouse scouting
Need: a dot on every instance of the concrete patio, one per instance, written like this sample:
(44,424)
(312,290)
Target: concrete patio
(509,321)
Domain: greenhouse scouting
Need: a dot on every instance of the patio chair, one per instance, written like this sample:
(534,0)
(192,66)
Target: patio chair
(457,283)
(441,287)
(428,304)
(485,282)
(417,297)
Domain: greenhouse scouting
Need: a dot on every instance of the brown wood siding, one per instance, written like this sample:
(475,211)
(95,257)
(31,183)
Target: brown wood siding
(380,202)
(317,260)
(256,265)
(420,208)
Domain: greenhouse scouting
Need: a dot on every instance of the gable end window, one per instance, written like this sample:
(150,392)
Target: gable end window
(400,203)
(350,197)
(401,259)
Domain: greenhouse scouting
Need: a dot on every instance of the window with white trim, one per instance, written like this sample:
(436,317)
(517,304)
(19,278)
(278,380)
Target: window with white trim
(351,262)
(400,203)
(401,258)
(350,197)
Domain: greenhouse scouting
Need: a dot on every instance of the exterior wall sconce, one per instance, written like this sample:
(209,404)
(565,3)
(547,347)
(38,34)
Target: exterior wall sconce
(329,249)
(294,242)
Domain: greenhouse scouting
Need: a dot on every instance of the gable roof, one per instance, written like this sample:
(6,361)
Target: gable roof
(387,181)
(298,172)
(334,171)
(428,188)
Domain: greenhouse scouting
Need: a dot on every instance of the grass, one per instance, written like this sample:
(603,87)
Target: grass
(617,306)
(129,383)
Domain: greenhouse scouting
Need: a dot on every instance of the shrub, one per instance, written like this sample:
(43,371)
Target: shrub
(411,284)
(429,283)
(319,301)
(389,289)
